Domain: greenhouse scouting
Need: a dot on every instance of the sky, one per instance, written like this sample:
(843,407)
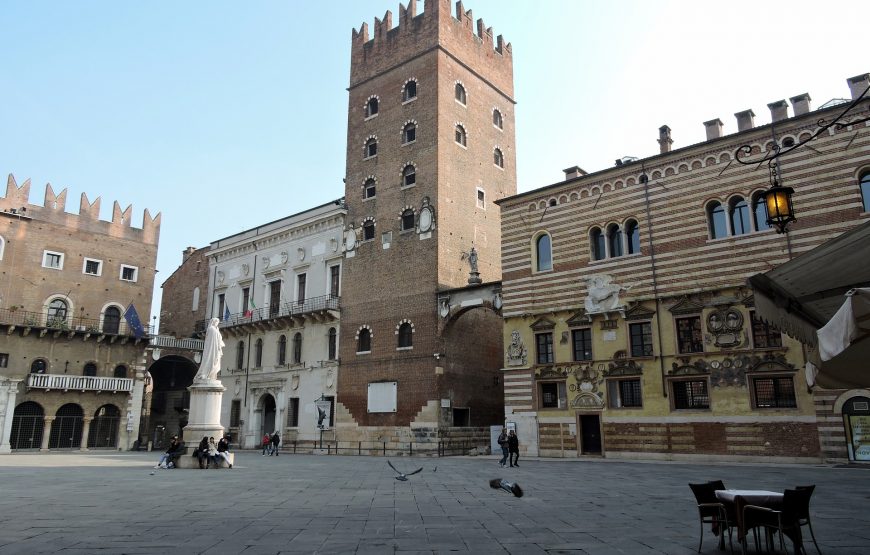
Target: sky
(225,115)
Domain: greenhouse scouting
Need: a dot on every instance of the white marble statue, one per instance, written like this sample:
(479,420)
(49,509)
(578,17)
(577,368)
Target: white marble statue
(603,294)
(212,352)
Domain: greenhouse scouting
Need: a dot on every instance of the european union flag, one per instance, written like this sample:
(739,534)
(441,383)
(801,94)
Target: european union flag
(132,318)
(226,313)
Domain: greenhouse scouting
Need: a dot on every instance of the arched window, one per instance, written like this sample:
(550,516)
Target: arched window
(716,220)
(865,190)
(596,244)
(408,219)
(738,211)
(240,355)
(632,235)
(27,426)
(459,94)
(409,133)
(371,147)
(759,212)
(460,135)
(409,91)
(38,366)
(409,175)
(56,314)
(497,119)
(282,350)
(370,188)
(543,253)
(258,353)
(406,333)
(614,239)
(297,348)
(368,230)
(195,305)
(498,158)
(112,320)
(120,371)
(90,369)
(332,343)
(364,343)
(372,107)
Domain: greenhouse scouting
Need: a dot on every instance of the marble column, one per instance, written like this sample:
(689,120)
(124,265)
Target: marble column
(46,432)
(86,432)
(8,392)
(204,418)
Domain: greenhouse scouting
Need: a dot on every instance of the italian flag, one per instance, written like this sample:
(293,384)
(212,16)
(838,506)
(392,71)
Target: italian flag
(249,311)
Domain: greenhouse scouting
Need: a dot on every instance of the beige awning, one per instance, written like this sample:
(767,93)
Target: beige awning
(804,294)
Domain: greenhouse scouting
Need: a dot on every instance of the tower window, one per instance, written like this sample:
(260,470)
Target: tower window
(371,147)
(459,94)
(406,336)
(372,107)
(364,343)
(409,91)
(460,135)
(498,158)
(481,198)
(369,188)
(497,120)
(409,133)
(368,231)
(408,220)
(409,175)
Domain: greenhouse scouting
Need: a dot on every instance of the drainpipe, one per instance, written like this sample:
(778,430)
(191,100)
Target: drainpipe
(253,292)
(655,282)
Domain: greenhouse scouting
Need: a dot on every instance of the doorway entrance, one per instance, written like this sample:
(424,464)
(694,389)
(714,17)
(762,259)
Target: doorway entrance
(590,434)
(268,414)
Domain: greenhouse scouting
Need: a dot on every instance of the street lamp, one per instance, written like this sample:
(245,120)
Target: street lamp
(777,202)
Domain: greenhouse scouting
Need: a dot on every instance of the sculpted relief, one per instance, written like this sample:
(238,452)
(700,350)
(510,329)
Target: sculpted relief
(602,295)
(516,351)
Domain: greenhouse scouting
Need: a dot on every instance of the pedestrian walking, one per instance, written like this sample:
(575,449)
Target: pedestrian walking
(267,443)
(276,440)
(503,443)
(514,448)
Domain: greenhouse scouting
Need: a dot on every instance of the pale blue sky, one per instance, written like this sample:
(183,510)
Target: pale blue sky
(225,115)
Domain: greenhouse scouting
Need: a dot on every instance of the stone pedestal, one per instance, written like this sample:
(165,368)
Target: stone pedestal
(204,418)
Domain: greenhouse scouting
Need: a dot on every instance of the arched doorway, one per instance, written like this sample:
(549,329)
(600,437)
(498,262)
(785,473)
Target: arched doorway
(66,430)
(165,410)
(27,425)
(112,320)
(268,407)
(856,417)
(104,428)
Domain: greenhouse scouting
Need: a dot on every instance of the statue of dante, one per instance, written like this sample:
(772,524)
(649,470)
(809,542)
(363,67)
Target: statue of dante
(212,352)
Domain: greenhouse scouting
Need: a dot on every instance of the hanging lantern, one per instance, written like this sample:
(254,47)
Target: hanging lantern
(777,201)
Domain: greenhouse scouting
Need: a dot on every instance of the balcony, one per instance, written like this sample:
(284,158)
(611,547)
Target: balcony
(169,342)
(65,382)
(45,323)
(315,309)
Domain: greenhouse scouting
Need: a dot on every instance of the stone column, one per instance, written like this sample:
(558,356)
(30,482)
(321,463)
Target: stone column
(46,432)
(204,419)
(86,432)
(9,390)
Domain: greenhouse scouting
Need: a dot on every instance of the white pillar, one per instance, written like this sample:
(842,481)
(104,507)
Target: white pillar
(8,392)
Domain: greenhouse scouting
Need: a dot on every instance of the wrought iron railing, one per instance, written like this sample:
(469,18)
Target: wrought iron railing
(292,308)
(65,382)
(53,321)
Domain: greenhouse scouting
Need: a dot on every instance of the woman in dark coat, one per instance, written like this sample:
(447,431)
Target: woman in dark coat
(514,448)
(202,452)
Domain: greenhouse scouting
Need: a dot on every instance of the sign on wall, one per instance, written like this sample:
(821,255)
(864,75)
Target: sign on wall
(382,397)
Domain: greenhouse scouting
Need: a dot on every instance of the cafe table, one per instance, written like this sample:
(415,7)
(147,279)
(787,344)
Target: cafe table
(735,499)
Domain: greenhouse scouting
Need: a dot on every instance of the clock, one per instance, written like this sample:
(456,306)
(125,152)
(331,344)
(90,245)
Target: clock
(425,219)
(350,239)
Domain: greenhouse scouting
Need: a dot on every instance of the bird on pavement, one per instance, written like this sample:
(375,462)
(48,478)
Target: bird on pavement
(402,477)
(499,483)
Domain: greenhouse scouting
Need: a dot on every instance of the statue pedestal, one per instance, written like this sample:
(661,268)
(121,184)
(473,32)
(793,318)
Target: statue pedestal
(204,418)
(474,278)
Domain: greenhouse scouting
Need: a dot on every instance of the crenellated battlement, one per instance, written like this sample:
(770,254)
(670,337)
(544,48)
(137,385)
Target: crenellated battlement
(88,219)
(417,33)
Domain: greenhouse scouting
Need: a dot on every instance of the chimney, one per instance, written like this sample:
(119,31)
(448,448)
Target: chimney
(714,128)
(778,110)
(858,84)
(800,104)
(574,171)
(665,140)
(186,253)
(745,120)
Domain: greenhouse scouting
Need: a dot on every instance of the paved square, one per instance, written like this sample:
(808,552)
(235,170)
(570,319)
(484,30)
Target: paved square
(112,503)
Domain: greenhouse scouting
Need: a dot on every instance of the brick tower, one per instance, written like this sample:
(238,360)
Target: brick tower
(430,147)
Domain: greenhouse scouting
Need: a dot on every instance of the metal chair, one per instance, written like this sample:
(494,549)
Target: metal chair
(711,511)
(804,514)
(788,520)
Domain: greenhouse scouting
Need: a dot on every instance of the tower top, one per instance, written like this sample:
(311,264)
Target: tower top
(436,27)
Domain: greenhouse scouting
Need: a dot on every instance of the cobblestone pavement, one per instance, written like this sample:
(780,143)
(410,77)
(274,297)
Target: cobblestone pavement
(103,503)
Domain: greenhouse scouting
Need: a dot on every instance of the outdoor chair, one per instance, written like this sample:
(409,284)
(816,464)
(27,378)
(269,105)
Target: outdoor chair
(804,515)
(711,511)
(788,520)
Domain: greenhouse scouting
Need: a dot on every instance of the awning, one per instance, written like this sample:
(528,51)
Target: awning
(804,294)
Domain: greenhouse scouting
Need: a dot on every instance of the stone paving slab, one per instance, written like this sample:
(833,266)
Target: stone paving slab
(109,502)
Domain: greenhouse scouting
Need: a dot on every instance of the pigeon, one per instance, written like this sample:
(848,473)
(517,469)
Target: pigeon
(499,483)
(435,469)
(401,476)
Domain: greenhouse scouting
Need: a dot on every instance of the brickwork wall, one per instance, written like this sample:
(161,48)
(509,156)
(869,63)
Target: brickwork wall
(556,440)
(177,316)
